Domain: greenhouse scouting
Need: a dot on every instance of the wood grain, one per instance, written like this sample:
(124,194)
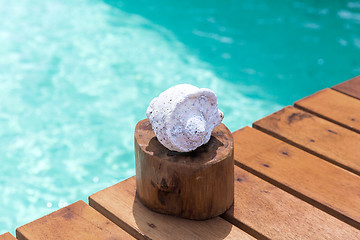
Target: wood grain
(119,204)
(318,182)
(313,134)
(7,236)
(196,185)
(77,221)
(350,87)
(277,214)
(333,106)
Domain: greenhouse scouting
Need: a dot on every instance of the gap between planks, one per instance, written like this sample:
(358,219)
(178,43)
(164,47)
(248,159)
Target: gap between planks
(323,135)
(319,201)
(350,87)
(279,215)
(301,147)
(333,106)
(301,196)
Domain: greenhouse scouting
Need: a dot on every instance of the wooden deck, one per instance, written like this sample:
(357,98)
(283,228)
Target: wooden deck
(297,176)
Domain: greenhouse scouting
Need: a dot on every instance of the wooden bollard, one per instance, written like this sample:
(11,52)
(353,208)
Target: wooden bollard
(195,185)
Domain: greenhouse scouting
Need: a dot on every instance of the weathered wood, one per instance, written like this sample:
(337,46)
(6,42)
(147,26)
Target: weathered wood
(77,221)
(313,134)
(277,214)
(333,106)
(350,87)
(7,236)
(119,204)
(318,182)
(195,185)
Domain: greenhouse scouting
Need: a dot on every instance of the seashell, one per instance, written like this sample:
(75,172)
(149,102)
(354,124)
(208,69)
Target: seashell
(184,116)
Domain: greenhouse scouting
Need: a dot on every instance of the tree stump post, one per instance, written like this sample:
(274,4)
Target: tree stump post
(195,185)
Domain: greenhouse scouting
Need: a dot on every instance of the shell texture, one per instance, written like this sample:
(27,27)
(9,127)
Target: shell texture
(184,116)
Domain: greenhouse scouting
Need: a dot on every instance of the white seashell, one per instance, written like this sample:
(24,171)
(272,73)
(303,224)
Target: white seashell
(184,116)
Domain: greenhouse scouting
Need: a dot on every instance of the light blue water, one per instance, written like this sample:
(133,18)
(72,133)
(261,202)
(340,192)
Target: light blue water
(77,75)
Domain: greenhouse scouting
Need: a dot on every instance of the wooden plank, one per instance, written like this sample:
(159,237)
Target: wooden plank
(318,182)
(333,106)
(7,236)
(277,214)
(76,221)
(313,134)
(350,87)
(119,204)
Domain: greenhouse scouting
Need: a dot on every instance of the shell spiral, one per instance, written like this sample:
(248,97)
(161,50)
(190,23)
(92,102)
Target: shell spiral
(184,116)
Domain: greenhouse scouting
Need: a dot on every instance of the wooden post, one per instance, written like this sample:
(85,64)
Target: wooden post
(195,185)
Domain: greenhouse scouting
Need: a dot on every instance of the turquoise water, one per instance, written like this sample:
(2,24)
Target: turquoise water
(76,76)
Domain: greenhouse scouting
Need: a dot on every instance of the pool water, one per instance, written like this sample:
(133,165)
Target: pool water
(77,75)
